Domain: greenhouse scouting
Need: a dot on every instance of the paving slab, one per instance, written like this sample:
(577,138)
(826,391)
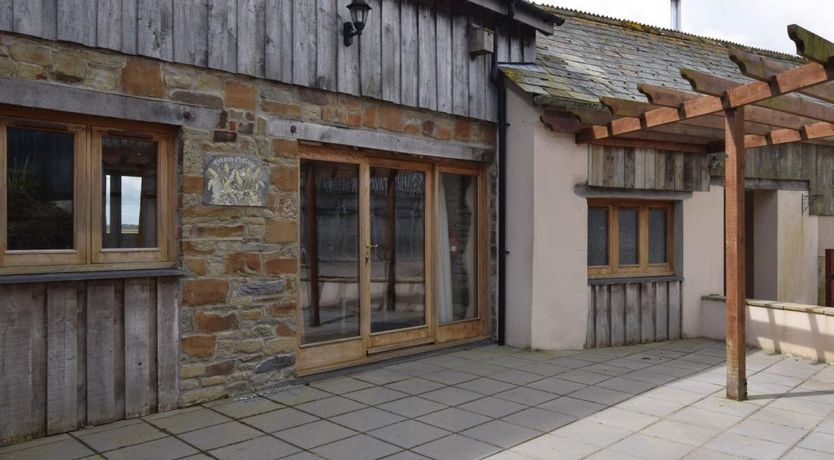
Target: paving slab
(409,433)
(220,435)
(161,449)
(54,447)
(263,448)
(278,420)
(315,434)
(456,447)
(103,439)
(359,447)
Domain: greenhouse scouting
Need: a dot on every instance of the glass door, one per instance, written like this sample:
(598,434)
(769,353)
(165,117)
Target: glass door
(398,254)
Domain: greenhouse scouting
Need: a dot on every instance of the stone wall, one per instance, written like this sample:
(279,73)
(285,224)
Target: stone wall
(238,295)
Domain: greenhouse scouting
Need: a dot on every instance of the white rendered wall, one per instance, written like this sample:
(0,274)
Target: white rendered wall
(703,254)
(798,235)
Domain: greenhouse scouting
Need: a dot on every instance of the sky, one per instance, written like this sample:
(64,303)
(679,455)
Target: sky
(759,23)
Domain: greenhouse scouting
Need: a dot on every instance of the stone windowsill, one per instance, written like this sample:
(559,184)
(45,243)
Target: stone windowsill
(774,305)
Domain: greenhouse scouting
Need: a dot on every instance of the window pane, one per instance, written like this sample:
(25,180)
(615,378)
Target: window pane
(457,240)
(129,197)
(329,281)
(398,270)
(597,236)
(657,236)
(628,236)
(39,175)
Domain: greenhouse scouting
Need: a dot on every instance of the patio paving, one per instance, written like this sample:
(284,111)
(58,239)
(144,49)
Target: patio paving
(653,401)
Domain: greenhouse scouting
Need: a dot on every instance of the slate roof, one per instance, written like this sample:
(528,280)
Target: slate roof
(591,56)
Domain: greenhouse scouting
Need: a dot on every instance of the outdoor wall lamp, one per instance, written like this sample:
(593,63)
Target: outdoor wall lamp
(359,10)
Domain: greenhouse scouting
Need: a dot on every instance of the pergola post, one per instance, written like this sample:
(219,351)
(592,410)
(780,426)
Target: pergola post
(734,253)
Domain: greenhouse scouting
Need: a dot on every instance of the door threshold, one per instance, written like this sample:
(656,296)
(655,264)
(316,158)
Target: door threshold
(398,346)
(375,359)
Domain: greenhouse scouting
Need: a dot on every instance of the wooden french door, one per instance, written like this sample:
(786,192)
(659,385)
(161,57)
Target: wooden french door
(368,257)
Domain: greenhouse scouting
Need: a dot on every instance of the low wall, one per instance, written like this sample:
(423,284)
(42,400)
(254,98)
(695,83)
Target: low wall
(792,329)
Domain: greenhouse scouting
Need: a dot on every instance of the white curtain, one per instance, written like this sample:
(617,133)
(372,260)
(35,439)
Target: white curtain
(444,259)
(469,254)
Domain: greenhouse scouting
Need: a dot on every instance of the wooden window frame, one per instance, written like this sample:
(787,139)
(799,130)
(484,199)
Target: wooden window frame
(613,269)
(88,255)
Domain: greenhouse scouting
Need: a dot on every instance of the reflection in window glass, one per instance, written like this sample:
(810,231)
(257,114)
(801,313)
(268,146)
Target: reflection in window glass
(456,242)
(597,236)
(398,262)
(628,236)
(657,236)
(39,175)
(129,197)
(329,282)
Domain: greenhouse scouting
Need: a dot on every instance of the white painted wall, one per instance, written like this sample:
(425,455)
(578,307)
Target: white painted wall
(703,254)
(798,235)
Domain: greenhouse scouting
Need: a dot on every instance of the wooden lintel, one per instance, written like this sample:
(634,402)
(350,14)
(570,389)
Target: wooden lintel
(752,141)
(810,45)
(623,125)
(764,94)
(761,68)
(734,234)
(650,144)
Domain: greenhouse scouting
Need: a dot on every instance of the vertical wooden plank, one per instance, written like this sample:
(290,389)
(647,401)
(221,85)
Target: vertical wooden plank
(427,55)
(706,174)
(327,39)
(246,37)
(7,15)
(488,90)
(629,168)
(370,54)
(278,36)
(167,349)
(109,24)
(391,62)
(137,347)
(348,57)
(191,32)
(410,59)
(590,325)
(649,165)
(679,169)
(22,363)
(49,21)
(129,26)
(632,314)
(618,312)
(62,358)
(661,312)
(647,309)
(660,170)
(76,21)
(639,169)
(304,51)
(675,310)
(529,45)
(734,252)
(503,47)
(460,65)
(101,351)
(516,51)
(81,354)
(602,314)
(155,29)
(222,38)
(27,17)
(596,171)
(444,60)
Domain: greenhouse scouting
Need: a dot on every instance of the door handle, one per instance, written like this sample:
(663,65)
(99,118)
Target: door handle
(368,248)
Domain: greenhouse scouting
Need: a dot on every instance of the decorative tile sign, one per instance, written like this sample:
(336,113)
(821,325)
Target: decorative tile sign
(234,181)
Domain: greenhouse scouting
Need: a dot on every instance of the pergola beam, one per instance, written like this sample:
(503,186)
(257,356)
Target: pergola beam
(764,69)
(768,95)
(810,45)
(669,97)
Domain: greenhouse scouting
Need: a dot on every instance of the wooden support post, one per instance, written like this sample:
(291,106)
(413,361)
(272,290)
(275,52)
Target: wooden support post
(311,235)
(391,241)
(734,253)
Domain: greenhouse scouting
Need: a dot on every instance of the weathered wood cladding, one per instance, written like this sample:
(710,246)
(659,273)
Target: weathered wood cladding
(795,162)
(647,169)
(630,313)
(413,52)
(85,353)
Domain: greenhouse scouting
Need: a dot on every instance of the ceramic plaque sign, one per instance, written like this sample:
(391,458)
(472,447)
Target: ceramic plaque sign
(234,181)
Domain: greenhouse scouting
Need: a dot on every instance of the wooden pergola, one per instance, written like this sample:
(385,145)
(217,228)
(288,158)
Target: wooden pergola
(759,113)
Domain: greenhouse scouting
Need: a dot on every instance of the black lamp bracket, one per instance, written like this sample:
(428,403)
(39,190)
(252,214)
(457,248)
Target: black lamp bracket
(349,32)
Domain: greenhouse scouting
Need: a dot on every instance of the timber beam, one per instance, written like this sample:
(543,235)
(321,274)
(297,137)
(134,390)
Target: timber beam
(811,46)
(772,96)
(765,69)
